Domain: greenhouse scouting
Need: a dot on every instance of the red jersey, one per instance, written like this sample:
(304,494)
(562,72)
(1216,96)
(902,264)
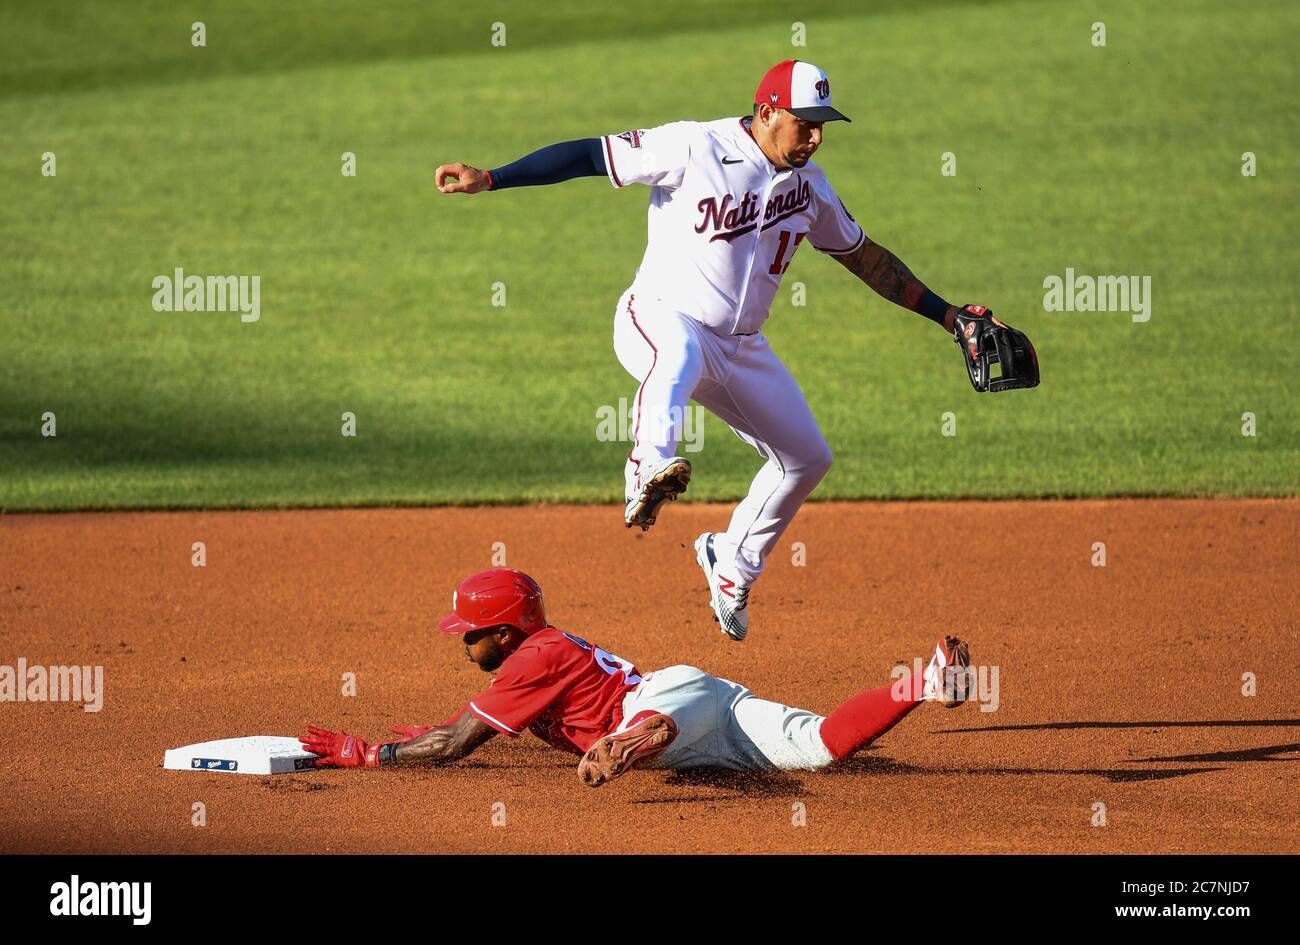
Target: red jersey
(564,690)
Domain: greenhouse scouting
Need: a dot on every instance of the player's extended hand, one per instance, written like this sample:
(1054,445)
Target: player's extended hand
(461,179)
(339,749)
(410,731)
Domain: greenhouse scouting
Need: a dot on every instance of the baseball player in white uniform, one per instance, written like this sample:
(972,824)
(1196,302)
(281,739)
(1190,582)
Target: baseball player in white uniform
(731,201)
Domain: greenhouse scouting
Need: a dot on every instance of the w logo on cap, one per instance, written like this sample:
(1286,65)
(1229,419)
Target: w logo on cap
(800,88)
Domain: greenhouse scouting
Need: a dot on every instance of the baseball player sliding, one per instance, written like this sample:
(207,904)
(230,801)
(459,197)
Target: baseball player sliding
(731,201)
(584,700)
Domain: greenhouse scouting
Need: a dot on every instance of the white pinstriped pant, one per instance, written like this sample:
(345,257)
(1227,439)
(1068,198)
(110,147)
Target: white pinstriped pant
(741,381)
(721,724)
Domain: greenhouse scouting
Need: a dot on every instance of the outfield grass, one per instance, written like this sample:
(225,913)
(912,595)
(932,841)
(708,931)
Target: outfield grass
(376,291)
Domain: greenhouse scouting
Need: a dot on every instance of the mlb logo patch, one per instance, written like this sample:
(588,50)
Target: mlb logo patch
(633,138)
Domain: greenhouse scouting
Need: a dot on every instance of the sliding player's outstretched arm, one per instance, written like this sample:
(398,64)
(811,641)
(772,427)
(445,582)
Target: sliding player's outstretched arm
(436,744)
(445,743)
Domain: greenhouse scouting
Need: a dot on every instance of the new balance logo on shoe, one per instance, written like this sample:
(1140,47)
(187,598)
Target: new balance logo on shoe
(727,597)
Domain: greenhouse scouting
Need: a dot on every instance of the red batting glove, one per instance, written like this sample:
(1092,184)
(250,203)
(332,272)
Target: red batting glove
(339,749)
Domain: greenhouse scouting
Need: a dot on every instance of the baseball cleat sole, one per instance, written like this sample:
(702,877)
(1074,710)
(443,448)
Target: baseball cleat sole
(668,482)
(949,668)
(617,754)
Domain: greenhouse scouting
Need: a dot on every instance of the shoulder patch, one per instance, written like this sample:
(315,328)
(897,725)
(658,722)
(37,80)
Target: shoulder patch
(633,139)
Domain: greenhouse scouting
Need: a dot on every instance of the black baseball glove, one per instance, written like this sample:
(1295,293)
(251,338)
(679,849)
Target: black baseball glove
(985,341)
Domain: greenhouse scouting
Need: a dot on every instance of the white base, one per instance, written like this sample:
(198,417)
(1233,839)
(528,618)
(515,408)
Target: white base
(254,754)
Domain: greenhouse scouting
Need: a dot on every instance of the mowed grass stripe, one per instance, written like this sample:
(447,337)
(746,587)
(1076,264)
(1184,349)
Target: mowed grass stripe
(376,291)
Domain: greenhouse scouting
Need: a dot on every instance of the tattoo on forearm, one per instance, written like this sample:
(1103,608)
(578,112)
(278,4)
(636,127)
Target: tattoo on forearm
(884,273)
(445,743)
(432,746)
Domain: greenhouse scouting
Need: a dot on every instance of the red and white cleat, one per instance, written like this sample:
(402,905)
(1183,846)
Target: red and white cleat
(635,746)
(948,677)
(728,597)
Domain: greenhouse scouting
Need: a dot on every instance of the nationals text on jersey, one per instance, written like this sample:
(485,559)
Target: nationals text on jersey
(739,220)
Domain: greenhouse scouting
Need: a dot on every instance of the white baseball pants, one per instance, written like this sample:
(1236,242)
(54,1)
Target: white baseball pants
(721,724)
(740,380)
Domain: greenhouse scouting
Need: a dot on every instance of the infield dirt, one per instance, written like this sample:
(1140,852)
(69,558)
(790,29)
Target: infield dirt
(1119,685)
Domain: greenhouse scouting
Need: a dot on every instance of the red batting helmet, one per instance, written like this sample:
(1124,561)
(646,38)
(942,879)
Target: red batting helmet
(495,597)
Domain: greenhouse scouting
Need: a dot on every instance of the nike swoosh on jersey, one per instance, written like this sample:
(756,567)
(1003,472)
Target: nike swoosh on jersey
(732,161)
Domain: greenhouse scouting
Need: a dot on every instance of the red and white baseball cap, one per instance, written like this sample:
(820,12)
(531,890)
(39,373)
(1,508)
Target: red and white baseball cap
(800,88)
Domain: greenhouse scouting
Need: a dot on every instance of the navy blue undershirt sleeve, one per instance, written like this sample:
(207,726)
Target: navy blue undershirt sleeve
(932,307)
(552,164)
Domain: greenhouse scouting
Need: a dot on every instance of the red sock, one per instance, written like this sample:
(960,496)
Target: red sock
(868,715)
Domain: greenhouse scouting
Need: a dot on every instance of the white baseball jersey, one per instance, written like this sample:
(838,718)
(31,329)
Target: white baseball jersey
(724,223)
